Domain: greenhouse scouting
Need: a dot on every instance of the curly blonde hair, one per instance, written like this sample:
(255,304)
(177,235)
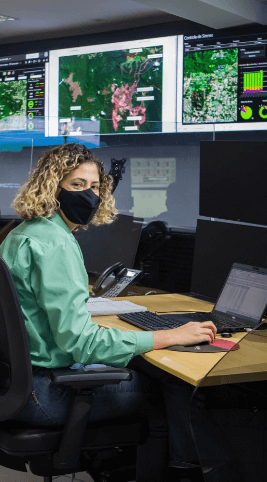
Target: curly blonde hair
(37,197)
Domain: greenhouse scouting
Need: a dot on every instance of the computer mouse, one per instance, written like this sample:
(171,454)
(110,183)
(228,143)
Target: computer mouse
(226,335)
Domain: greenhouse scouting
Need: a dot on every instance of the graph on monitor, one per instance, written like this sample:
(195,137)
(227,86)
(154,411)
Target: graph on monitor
(224,84)
(22,92)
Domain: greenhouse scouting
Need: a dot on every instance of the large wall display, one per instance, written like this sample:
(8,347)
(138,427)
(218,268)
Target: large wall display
(22,91)
(224,84)
(117,88)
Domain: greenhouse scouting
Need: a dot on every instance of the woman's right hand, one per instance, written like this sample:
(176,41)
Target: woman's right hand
(190,334)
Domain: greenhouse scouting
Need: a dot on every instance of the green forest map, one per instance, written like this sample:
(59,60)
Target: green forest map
(13,109)
(104,85)
(210,86)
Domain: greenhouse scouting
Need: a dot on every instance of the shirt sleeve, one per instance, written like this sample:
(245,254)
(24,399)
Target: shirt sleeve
(60,283)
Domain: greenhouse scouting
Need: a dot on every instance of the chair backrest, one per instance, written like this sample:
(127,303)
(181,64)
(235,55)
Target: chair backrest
(15,361)
(6,229)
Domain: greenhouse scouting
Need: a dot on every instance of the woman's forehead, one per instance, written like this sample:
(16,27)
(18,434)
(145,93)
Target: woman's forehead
(87,171)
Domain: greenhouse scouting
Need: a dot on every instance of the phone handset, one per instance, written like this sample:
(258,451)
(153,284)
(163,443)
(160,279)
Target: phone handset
(117,270)
(120,278)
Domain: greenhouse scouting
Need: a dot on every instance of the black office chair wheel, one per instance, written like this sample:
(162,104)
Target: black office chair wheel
(116,476)
(50,478)
(193,474)
(122,478)
(104,478)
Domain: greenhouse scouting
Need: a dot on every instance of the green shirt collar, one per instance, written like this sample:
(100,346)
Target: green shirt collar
(55,218)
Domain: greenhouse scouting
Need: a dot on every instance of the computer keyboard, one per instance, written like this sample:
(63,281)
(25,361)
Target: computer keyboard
(149,321)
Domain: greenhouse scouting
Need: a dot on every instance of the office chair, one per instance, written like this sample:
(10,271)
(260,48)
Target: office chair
(106,451)
(153,236)
(6,229)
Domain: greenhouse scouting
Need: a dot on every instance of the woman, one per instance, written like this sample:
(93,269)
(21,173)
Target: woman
(69,189)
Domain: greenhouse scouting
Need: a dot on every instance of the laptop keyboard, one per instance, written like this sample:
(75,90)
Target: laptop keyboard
(219,321)
(152,322)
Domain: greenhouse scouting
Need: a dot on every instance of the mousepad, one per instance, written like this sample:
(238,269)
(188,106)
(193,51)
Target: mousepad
(217,345)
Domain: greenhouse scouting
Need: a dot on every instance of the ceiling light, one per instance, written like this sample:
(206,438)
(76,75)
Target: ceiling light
(3,18)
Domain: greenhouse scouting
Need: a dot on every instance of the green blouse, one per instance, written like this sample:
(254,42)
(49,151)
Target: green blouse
(47,266)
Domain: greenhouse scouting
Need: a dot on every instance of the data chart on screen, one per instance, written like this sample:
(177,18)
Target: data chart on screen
(224,84)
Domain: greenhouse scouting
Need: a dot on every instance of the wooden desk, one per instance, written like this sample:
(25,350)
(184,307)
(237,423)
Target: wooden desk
(192,367)
(244,365)
(236,433)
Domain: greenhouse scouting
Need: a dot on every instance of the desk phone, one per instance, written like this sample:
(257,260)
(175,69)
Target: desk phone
(113,280)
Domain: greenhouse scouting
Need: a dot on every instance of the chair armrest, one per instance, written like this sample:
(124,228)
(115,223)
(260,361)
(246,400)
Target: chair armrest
(83,382)
(90,377)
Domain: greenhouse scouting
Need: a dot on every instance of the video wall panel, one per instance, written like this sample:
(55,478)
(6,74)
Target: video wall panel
(22,91)
(117,88)
(224,83)
(191,83)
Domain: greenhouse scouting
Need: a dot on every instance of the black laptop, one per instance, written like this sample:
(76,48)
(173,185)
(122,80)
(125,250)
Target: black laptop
(241,303)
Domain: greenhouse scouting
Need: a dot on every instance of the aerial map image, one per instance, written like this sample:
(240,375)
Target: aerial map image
(210,86)
(13,109)
(122,89)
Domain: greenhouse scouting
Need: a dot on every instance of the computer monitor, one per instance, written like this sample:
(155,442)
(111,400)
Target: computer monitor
(224,82)
(126,87)
(23,94)
(105,245)
(218,245)
(233,181)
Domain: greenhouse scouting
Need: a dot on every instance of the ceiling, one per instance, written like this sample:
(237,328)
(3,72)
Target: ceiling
(42,19)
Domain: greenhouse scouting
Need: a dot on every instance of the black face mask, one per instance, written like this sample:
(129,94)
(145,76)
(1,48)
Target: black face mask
(78,206)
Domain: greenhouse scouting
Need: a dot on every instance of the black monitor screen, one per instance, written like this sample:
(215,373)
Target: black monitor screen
(233,178)
(218,245)
(105,245)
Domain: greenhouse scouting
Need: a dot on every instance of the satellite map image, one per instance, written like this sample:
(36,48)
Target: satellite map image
(210,86)
(13,109)
(122,89)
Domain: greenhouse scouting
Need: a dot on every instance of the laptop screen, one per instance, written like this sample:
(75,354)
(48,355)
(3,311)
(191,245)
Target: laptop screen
(244,293)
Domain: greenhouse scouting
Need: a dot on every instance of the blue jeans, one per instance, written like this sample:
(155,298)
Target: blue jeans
(161,397)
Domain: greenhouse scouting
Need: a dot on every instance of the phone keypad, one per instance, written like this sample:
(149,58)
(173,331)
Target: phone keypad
(116,289)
